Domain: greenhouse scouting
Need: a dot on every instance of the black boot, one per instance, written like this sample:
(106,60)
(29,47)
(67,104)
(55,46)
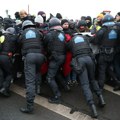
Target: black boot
(116,88)
(28,109)
(101,101)
(4,92)
(67,88)
(94,111)
(55,100)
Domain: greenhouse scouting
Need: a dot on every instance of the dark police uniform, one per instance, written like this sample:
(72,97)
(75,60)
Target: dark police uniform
(55,43)
(6,53)
(116,62)
(107,39)
(31,41)
(84,66)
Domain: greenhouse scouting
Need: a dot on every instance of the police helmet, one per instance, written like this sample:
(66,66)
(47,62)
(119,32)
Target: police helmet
(27,23)
(10,30)
(108,18)
(54,22)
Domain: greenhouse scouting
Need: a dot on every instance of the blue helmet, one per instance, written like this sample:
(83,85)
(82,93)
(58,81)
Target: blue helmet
(10,30)
(54,22)
(108,18)
(27,23)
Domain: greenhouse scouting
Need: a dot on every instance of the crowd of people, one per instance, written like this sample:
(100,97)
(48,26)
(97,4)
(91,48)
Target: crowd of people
(84,52)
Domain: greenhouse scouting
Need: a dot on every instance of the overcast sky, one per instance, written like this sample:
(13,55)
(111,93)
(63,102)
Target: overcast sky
(68,8)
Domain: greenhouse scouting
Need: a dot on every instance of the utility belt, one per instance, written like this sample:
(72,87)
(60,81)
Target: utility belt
(108,54)
(24,52)
(55,55)
(108,51)
(81,53)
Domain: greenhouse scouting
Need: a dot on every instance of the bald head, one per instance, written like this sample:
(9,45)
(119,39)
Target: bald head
(23,14)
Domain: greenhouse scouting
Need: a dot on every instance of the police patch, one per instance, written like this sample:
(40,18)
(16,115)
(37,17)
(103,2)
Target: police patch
(78,39)
(61,37)
(112,35)
(30,34)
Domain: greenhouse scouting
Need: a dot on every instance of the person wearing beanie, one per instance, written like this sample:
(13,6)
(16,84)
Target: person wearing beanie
(83,18)
(38,20)
(72,27)
(99,19)
(82,26)
(17,16)
(59,16)
(65,24)
(88,21)
(67,71)
(43,14)
(101,16)
(64,21)
(44,26)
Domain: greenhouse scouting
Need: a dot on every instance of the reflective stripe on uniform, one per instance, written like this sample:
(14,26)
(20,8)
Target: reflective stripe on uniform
(2,39)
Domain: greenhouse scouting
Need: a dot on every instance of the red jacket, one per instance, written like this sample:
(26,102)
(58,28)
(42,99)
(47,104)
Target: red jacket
(66,67)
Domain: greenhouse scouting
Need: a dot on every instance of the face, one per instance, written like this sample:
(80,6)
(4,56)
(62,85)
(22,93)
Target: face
(22,15)
(87,21)
(65,25)
(44,15)
(117,18)
(99,19)
(72,25)
(82,28)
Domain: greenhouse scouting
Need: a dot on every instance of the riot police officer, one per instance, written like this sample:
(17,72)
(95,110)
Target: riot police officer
(106,38)
(117,57)
(8,47)
(55,44)
(83,64)
(31,42)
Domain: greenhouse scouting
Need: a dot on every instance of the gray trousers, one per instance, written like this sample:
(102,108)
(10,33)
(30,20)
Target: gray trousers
(87,78)
(32,63)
